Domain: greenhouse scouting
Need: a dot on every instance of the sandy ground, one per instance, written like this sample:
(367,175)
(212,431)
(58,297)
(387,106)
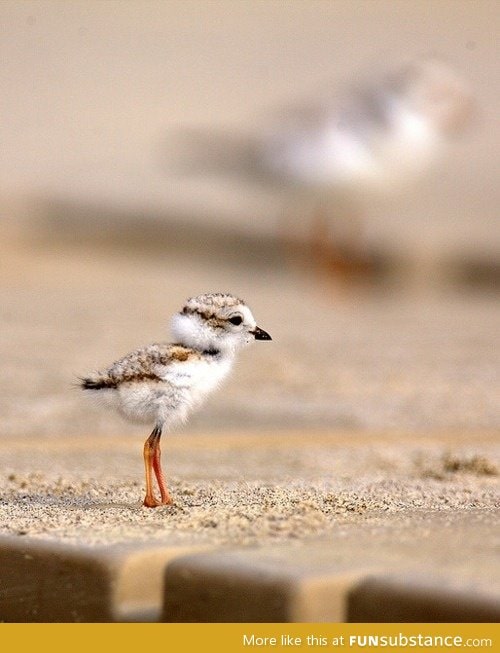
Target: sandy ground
(362,407)
(240,489)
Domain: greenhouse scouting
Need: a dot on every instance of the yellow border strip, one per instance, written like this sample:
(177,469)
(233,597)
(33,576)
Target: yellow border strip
(236,638)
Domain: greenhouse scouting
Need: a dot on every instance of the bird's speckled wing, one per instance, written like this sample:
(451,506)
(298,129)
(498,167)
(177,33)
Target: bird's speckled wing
(152,362)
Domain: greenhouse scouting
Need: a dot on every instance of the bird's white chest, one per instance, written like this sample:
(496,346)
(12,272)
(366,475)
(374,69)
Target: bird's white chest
(199,377)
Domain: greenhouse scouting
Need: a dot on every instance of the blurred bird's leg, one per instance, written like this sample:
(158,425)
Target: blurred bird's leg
(336,243)
(325,239)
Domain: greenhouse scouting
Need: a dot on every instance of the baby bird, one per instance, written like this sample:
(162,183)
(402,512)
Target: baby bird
(163,382)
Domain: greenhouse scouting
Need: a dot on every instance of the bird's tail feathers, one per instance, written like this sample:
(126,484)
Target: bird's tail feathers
(96,382)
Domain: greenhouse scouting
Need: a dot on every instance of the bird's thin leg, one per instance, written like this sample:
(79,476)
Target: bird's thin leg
(165,496)
(337,248)
(149,455)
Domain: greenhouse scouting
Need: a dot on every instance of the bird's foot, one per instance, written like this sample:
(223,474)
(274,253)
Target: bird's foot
(151,502)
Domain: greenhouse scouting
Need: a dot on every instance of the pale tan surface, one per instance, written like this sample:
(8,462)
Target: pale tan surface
(91,93)
(370,361)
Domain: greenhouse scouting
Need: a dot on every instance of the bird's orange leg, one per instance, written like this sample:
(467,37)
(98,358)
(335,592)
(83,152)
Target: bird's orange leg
(337,249)
(165,496)
(149,455)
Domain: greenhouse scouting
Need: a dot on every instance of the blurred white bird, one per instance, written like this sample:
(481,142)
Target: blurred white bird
(337,152)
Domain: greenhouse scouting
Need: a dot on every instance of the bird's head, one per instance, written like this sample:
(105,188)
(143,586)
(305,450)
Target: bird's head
(216,322)
(438,94)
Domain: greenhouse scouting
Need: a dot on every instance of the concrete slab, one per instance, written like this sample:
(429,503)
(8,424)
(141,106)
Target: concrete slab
(46,581)
(268,585)
(413,599)
(344,578)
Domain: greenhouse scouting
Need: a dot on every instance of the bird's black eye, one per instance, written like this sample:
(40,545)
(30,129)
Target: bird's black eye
(236,320)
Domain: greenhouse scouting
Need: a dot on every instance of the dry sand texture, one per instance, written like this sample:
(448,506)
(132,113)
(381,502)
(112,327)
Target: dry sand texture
(240,489)
(392,405)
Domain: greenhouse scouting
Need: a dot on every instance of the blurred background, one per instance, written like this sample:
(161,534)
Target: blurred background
(105,230)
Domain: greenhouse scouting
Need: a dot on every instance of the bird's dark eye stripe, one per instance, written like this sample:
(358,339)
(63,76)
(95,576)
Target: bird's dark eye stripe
(194,311)
(236,320)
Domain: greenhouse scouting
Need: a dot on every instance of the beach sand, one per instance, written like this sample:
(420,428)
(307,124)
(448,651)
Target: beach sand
(239,489)
(369,418)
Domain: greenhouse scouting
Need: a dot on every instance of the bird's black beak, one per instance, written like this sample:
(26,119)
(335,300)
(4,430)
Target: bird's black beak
(260,334)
